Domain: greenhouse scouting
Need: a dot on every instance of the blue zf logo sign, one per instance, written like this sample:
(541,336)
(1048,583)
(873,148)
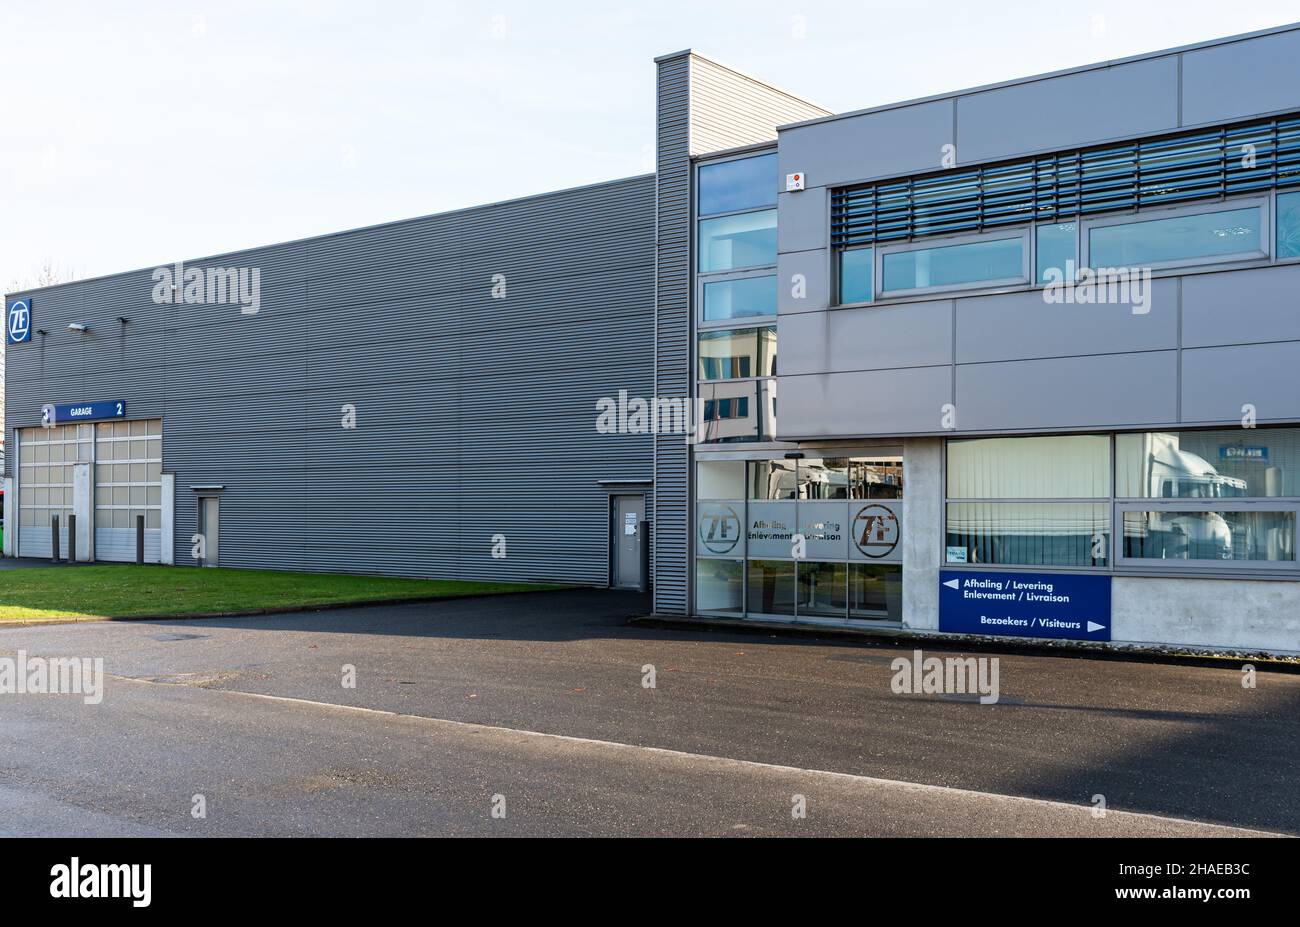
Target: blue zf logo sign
(18,321)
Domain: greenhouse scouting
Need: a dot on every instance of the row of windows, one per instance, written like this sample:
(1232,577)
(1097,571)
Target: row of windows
(806,589)
(809,479)
(1060,501)
(736,236)
(1189,236)
(1206,164)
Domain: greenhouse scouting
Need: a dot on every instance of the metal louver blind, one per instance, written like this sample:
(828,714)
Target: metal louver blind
(1201,165)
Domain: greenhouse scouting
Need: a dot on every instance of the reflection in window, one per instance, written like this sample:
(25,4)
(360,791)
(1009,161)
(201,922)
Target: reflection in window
(719,586)
(822,589)
(716,410)
(1219,464)
(772,479)
(1056,247)
(1235,536)
(730,186)
(737,410)
(1029,534)
(876,591)
(855,276)
(1177,239)
(737,354)
(952,265)
(824,479)
(771,587)
(736,242)
(877,479)
(1288,225)
(739,299)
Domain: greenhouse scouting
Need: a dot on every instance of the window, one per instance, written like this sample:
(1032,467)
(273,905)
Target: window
(1055,533)
(1185,238)
(1057,245)
(877,479)
(720,479)
(720,586)
(855,276)
(748,512)
(824,479)
(1062,467)
(876,591)
(738,410)
(772,479)
(1179,533)
(1048,501)
(1063,534)
(731,186)
(741,298)
(1288,225)
(996,260)
(771,587)
(735,354)
(1218,464)
(735,242)
(823,589)
(1206,164)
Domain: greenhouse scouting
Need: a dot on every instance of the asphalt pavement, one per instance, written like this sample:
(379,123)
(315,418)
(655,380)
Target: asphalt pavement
(531,715)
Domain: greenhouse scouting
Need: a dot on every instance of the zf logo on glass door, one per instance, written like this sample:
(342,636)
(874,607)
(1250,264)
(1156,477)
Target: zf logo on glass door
(719,529)
(18,321)
(875,531)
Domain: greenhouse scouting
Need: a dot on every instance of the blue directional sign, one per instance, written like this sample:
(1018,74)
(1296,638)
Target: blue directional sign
(1068,606)
(86,411)
(18,321)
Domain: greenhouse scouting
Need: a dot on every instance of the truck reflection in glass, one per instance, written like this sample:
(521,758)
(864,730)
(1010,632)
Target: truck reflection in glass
(1175,473)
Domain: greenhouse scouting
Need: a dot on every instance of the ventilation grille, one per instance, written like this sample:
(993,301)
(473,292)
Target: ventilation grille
(1056,188)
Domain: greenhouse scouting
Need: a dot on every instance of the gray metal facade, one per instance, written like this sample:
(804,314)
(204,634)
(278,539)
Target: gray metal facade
(1212,342)
(475,416)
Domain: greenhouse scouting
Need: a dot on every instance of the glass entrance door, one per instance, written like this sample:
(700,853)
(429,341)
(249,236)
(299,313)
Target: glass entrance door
(804,539)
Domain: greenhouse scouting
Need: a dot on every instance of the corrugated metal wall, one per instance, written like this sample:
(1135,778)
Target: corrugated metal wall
(730,109)
(702,106)
(475,416)
(672,328)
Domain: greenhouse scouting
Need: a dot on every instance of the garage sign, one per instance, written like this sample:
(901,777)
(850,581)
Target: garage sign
(83,412)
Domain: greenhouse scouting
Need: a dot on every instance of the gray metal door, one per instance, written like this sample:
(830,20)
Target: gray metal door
(629,511)
(211,530)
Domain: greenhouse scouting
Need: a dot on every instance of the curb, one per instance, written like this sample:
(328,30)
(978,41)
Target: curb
(896,639)
(285,610)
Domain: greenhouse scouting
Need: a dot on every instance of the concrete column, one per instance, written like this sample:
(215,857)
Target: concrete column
(83,504)
(167,540)
(11,517)
(922,527)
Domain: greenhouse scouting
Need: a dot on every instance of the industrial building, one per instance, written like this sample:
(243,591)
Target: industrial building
(1038,346)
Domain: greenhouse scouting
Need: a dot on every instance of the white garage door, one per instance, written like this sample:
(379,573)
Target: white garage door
(128,484)
(46,457)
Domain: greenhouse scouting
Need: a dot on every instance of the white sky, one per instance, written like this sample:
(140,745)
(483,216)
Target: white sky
(135,134)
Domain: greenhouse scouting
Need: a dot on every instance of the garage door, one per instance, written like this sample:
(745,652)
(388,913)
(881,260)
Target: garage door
(128,483)
(46,458)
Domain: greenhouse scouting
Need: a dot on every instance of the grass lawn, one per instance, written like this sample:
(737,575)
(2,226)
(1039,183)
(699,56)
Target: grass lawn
(129,591)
